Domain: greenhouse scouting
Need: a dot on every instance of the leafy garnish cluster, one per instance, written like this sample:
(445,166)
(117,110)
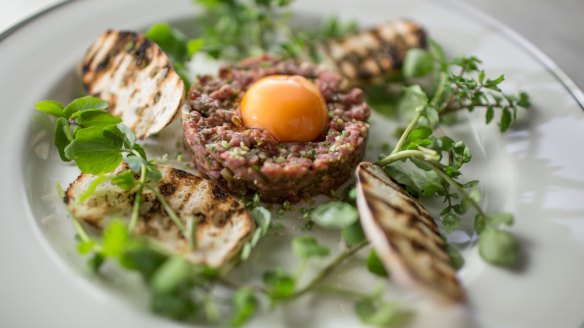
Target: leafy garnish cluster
(98,142)
(428,162)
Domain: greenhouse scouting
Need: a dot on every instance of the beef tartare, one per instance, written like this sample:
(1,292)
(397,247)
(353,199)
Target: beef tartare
(250,160)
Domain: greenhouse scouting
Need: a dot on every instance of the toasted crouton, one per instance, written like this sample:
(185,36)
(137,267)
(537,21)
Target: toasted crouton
(136,78)
(374,53)
(223,225)
(405,236)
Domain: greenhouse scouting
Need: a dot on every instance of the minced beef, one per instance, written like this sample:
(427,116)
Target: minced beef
(248,160)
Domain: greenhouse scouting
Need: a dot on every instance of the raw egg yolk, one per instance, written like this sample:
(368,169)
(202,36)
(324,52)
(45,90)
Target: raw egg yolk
(291,108)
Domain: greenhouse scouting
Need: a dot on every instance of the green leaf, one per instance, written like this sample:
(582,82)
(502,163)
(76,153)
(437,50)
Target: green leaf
(493,84)
(95,262)
(471,184)
(125,180)
(176,306)
(333,27)
(85,247)
(82,104)
(498,247)
(153,173)
(403,178)
(418,62)
(194,46)
(437,52)
(432,116)
(144,260)
(115,239)
(50,107)
(418,133)
(375,266)
(279,284)
(245,303)
(352,193)
(306,247)
(262,218)
(450,222)
(122,132)
(523,100)
(91,188)
(246,249)
(96,118)
(505,120)
(456,258)
(432,188)
(386,314)
(500,218)
(171,275)
(412,100)
(353,234)
(172,42)
(490,114)
(135,163)
(62,129)
(482,76)
(335,215)
(475,195)
(93,152)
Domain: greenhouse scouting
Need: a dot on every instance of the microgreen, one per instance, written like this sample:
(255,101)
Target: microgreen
(245,303)
(306,247)
(353,234)
(262,218)
(498,247)
(375,266)
(379,313)
(335,214)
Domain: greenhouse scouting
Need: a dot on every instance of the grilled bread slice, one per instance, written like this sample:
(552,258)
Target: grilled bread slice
(136,78)
(223,225)
(374,53)
(404,235)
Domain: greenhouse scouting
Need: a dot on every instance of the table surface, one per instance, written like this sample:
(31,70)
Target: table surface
(553,26)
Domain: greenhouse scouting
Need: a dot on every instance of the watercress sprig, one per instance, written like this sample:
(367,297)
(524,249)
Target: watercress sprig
(461,84)
(98,142)
(435,171)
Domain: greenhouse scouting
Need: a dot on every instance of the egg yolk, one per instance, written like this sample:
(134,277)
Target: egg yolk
(291,108)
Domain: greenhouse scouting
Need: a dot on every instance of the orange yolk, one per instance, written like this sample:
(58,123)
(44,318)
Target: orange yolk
(291,108)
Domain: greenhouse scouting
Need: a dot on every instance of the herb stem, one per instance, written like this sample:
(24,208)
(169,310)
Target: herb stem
(439,91)
(67,129)
(236,285)
(347,293)
(453,183)
(406,154)
(138,200)
(81,233)
(324,273)
(211,309)
(173,216)
(408,130)
(301,268)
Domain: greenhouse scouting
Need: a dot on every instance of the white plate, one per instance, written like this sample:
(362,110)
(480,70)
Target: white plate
(533,171)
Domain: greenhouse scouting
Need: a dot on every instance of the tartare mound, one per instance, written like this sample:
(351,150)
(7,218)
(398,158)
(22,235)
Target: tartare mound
(246,160)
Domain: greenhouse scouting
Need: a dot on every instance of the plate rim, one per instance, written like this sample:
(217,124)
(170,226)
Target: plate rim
(502,32)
